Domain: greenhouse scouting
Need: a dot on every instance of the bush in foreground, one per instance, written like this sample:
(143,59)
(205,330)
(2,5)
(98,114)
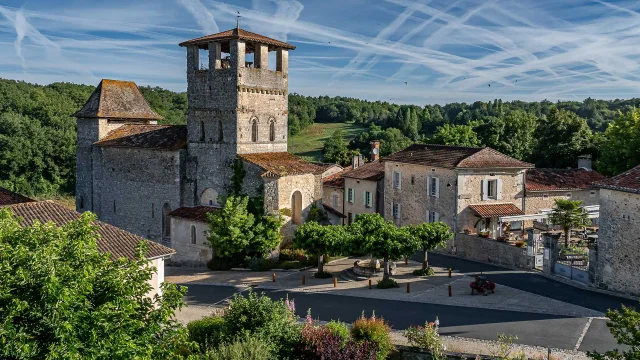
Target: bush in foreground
(320,342)
(427,338)
(387,284)
(376,331)
(251,348)
(207,332)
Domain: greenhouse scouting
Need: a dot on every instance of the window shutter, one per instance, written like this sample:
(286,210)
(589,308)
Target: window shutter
(436,217)
(399,211)
(364,198)
(485,189)
(437,187)
(399,180)
(427,219)
(428,185)
(499,189)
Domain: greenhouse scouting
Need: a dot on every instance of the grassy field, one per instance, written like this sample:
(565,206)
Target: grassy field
(308,144)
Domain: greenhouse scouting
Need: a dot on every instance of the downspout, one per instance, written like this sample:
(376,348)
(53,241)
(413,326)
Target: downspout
(524,197)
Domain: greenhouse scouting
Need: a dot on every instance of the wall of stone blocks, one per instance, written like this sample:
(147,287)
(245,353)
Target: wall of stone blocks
(618,258)
(535,200)
(489,251)
(188,254)
(327,197)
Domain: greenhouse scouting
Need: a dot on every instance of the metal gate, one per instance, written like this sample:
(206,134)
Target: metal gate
(574,266)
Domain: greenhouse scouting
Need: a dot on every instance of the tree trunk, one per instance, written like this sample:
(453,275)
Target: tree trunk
(321,263)
(386,269)
(566,237)
(424,260)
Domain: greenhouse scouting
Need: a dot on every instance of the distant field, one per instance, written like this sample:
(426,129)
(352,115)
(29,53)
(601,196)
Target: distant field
(308,144)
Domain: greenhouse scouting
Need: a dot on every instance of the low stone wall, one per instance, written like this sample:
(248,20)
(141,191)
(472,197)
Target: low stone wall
(487,250)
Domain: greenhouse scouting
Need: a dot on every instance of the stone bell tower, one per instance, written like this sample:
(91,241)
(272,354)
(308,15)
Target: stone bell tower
(238,104)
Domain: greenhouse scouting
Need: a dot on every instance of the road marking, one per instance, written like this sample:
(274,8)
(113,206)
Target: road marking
(232,295)
(584,332)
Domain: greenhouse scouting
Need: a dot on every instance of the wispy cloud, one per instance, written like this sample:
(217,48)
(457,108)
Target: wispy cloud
(203,16)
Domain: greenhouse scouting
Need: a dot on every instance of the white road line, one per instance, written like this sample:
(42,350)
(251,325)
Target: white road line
(230,296)
(584,332)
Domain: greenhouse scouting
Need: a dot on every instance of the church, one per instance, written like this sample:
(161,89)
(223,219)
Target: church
(159,181)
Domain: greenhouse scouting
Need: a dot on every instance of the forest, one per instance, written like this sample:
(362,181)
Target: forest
(38,133)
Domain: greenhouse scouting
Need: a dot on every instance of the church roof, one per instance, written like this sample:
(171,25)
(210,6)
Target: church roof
(237,34)
(120,243)
(455,157)
(281,164)
(193,213)
(9,197)
(117,99)
(157,137)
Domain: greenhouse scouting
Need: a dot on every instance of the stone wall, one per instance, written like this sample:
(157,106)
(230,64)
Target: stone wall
(188,254)
(535,200)
(491,251)
(359,187)
(327,197)
(618,249)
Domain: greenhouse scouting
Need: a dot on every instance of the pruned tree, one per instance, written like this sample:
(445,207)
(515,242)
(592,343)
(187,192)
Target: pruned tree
(430,236)
(568,214)
(320,240)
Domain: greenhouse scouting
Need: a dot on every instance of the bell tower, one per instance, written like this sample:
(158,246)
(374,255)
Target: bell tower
(238,104)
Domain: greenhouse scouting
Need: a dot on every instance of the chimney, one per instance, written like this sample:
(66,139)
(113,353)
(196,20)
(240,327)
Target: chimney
(375,150)
(584,162)
(356,161)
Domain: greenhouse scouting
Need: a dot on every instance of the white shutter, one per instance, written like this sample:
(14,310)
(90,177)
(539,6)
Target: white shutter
(399,180)
(485,189)
(437,187)
(364,198)
(428,185)
(427,216)
(436,217)
(499,189)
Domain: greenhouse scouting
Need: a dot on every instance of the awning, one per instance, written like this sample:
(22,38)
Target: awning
(496,210)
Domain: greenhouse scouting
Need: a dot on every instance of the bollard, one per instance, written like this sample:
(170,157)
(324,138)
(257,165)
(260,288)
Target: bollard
(449,290)
(369,284)
(335,282)
(406,260)
(273,277)
(449,272)
(302,279)
(408,288)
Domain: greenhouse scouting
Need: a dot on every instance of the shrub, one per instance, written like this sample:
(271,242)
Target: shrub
(322,343)
(250,348)
(288,265)
(427,338)
(322,275)
(260,264)
(223,263)
(387,284)
(376,331)
(424,272)
(340,329)
(293,255)
(520,243)
(208,332)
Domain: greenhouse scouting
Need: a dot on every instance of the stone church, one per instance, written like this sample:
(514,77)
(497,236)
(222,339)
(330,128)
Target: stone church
(134,173)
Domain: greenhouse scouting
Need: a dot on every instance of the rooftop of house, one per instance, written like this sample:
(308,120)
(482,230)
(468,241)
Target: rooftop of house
(9,198)
(371,171)
(157,137)
(496,210)
(541,179)
(455,157)
(193,213)
(331,210)
(276,164)
(628,181)
(237,34)
(336,180)
(113,240)
(115,99)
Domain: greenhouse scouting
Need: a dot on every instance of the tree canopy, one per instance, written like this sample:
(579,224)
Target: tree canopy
(320,239)
(621,149)
(430,236)
(568,214)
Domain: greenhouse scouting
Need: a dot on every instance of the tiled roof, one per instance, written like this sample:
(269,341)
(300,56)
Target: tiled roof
(372,171)
(193,213)
(628,181)
(9,198)
(561,179)
(281,164)
(491,210)
(238,34)
(159,137)
(113,240)
(455,157)
(336,180)
(117,100)
(333,211)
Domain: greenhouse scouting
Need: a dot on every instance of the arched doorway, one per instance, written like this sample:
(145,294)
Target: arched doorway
(296,208)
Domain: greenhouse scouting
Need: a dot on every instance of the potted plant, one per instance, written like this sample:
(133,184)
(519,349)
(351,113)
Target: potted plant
(483,234)
(467,231)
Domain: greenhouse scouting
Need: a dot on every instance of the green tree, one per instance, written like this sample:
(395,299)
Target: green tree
(382,239)
(320,240)
(568,214)
(60,298)
(335,149)
(625,327)
(430,236)
(456,135)
(621,148)
(392,140)
(562,137)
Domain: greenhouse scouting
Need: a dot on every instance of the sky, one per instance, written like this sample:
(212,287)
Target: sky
(402,51)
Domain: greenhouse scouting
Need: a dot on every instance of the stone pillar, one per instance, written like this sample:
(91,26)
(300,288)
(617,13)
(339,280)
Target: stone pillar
(282,60)
(237,54)
(193,60)
(215,55)
(261,56)
(593,264)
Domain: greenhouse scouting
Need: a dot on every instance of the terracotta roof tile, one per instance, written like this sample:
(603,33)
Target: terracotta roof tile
(455,157)
(159,137)
(372,171)
(113,240)
(491,210)
(628,181)
(194,213)
(9,198)
(117,100)
(336,180)
(282,164)
(561,179)
(238,34)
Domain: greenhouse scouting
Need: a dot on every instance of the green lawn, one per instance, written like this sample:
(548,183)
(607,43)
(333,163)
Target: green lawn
(308,144)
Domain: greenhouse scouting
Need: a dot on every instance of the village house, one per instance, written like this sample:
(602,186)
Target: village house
(333,196)
(617,256)
(364,186)
(117,242)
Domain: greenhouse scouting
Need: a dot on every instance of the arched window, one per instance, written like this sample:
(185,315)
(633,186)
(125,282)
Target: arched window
(114,206)
(193,234)
(166,224)
(81,202)
(272,130)
(153,210)
(202,134)
(254,130)
(220,134)
(209,197)
(296,208)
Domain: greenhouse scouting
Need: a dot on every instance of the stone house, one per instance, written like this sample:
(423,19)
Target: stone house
(191,220)
(467,188)
(364,190)
(133,172)
(333,196)
(117,242)
(617,256)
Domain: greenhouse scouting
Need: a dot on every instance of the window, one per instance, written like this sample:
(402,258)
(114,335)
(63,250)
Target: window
(81,202)
(491,189)
(395,207)
(153,210)
(114,206)
(220,133)
(166,224)
(568,195)
(334,201)
(202,134)
(272,131)
(516,225)
(193,234)
(349,218)
(433,186)
(545,196)
(397,180)
(368,200)
(350,196)
(254,130)
(413,179)
(433,216)
(592,193)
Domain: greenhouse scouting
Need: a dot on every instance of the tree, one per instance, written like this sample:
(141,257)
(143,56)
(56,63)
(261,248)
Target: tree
(623,325)
(382,239)
(320,240)
(335,149)
(621,149)
(430,236)
(562,137)
(568,214)
(60,298)
(456,135)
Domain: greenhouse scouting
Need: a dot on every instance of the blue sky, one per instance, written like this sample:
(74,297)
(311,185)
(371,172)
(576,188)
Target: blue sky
(404,51)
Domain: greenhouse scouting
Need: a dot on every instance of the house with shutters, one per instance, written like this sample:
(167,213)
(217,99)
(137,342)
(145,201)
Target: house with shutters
(465,187)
